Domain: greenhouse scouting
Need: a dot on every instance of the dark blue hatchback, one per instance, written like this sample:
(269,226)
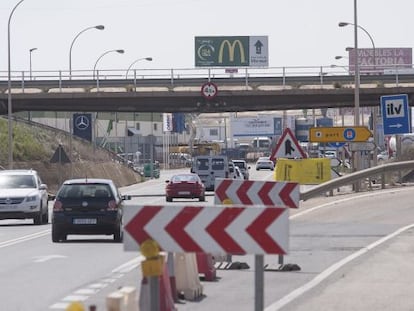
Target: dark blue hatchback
(89,206)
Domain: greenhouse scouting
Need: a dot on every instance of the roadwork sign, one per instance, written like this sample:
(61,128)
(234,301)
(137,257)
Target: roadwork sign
(287,147)
(339,134)
(257,192)
(236,230)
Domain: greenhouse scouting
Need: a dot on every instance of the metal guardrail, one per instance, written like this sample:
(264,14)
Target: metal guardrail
(356,177)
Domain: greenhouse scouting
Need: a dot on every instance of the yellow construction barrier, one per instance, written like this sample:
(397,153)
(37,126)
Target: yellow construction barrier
(303,171)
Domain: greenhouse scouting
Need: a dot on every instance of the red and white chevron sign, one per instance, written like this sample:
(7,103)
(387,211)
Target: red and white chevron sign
(208,229)
(249,192)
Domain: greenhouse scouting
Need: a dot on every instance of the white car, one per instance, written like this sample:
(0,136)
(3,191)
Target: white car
(23,195)
(264,163)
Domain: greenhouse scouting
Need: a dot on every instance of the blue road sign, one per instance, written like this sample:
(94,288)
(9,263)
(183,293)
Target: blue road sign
(395,114)
(336,145)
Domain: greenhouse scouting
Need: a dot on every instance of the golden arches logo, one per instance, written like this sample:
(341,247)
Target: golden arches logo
(231,47)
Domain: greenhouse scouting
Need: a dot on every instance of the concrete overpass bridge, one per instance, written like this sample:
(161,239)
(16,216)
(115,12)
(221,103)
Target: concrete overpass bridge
(179,90)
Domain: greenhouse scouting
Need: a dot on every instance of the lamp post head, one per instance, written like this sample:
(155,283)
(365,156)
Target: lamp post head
(148,59)
(338,57)
(100,27)
(343,24)
(32,49)
(120,51)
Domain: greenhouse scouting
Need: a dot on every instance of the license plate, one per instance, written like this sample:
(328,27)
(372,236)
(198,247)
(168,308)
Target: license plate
(84,221)
(184,192)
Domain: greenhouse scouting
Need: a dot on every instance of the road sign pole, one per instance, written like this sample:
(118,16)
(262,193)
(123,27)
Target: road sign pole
(259,283)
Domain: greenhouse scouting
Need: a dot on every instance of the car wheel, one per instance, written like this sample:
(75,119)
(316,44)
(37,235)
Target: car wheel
(168,199)
(56,235)
(118,234)
(38,218)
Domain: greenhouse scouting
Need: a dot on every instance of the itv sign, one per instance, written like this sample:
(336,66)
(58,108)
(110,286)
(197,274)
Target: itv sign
(232,51)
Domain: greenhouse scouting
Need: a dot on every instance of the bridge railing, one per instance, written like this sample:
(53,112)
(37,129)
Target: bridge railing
(317,74)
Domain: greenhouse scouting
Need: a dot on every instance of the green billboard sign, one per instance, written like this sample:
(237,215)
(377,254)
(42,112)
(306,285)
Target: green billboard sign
(232,51)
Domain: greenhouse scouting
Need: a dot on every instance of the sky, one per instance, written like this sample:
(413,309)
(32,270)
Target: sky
(300,32)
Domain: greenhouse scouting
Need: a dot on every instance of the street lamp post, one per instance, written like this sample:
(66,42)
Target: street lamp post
(9,97)
(134,62)
(30,61)
(94,67)
(375,110)
(99,27)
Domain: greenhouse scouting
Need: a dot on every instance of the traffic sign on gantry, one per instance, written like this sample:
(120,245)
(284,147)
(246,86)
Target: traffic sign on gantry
(339,134)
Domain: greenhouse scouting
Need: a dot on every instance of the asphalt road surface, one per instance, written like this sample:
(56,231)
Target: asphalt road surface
(354,253)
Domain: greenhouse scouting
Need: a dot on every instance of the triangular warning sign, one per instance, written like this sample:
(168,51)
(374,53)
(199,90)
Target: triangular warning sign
(287,147)
(60,156)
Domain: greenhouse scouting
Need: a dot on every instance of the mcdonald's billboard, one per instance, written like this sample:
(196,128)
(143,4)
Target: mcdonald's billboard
(233,51)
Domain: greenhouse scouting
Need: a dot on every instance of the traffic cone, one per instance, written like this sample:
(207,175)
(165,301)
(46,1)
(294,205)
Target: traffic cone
(173,284)
(205,264)
(165,294)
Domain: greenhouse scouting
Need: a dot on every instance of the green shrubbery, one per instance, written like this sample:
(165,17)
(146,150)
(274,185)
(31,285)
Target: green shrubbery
(28,143)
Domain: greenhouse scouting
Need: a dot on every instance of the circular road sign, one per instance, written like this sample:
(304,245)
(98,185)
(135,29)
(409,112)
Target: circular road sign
(209,90)
(349,134)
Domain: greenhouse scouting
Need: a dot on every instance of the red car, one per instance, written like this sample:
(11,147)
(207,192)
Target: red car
(187,186)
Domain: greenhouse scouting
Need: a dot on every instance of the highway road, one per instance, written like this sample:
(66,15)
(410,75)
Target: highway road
(340,243)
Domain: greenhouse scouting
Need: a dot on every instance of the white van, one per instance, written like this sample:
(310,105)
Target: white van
(209,168)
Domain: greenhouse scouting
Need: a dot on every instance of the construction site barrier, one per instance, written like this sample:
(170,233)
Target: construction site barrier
(205,265)
(165,294)
(124,299)
(186,277)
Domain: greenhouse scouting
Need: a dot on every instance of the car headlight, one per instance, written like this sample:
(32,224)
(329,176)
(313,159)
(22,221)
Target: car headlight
(31,198)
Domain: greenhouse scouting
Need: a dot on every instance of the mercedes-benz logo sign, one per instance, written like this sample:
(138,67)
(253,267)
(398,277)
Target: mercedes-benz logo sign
(82,122)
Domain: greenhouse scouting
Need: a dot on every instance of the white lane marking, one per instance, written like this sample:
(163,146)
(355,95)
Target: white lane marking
(98,285)
(72,298)
(45,258)
(330,270)
(60,305)
(24,238)
(129,266)
(83,294)
(86,291)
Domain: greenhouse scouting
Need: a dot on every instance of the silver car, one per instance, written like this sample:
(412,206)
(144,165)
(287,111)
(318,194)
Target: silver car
(264,163)
(23,195)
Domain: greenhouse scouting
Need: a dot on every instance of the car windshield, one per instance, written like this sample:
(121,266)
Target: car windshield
(17,181)
(240,164)
(85,191)
(184,178)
